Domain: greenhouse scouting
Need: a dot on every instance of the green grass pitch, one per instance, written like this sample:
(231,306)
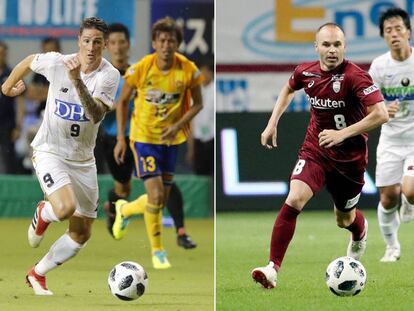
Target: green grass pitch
(243,243)
(81,283)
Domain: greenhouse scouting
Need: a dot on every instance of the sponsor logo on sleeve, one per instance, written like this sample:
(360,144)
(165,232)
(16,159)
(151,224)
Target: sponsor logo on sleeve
(107,97)
(310,74)
(370,89)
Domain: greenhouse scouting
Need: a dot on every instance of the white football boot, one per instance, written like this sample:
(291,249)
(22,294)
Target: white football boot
(38,283)
(266,276)
(357,248)
(392,253)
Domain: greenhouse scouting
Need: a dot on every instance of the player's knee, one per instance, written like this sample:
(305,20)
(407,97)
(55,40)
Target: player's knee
(389,202)
(64,209)
(296,201)
(390,197)
(156,198)
(81,237)
(343,222)
(340,223)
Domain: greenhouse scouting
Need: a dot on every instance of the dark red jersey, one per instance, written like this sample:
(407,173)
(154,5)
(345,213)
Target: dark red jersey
(338,98)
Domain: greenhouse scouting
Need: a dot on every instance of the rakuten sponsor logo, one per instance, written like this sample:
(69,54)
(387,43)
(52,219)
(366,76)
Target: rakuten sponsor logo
(327,103)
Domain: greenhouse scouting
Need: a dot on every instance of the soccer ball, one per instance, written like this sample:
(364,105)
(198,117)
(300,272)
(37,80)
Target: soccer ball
(346,276)
(127,280)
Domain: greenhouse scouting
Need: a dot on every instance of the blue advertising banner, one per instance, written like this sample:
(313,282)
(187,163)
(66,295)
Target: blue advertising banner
(59,18)
(197,19)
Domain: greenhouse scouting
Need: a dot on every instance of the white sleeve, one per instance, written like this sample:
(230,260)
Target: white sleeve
(43,63)
(106,88)
(373,72)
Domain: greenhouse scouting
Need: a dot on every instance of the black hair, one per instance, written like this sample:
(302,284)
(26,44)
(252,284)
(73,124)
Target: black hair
(118,27)
(394,12)
(51,39)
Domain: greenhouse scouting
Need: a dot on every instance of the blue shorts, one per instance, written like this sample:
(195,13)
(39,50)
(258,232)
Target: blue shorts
(154,160)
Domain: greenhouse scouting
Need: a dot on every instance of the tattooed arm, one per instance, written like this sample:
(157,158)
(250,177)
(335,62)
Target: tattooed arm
(94,108)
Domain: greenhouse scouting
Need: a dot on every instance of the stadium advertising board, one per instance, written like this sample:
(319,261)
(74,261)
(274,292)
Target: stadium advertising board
(283,31)
(249,177)
(197,19)
(254,91)
(22,19)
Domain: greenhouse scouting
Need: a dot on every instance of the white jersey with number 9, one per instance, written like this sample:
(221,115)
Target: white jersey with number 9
(66,130)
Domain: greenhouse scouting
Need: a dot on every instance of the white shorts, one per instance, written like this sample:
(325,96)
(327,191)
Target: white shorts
(393,163)
(53,173)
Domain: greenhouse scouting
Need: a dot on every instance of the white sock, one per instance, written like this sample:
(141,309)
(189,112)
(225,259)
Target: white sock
(405,201)
(389,222)
(48,214)
(61,251)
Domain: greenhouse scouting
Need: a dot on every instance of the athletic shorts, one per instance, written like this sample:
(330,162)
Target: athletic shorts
(393,163)
(121,173)
(345,191)
(154,160)
(53,173)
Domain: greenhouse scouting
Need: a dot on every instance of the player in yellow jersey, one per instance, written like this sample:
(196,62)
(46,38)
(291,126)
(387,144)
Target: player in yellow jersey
(165,82)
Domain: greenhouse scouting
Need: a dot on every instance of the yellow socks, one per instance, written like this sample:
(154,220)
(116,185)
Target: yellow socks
(135,207)
(152,217)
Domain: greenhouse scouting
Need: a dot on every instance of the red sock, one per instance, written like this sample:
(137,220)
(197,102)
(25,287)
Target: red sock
(282,233)
(358,226)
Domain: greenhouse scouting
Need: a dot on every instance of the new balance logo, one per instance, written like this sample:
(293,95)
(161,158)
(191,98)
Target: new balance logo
(64,90)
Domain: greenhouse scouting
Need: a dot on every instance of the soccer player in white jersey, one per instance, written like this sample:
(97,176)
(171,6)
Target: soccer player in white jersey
(82,89)
(393,72)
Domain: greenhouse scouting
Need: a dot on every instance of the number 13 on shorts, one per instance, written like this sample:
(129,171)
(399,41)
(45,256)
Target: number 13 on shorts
(148,164)
(299,167)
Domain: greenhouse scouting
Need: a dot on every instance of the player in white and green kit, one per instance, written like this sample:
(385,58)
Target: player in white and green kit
(393,72)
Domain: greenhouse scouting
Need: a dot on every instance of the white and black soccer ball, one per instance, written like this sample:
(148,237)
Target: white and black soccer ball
(346,276)
(128,280)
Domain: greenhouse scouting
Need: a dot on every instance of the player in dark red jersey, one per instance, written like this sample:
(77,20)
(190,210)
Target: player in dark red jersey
(345,104)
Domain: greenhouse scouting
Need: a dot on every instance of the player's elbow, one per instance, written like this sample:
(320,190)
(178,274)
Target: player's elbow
(383,116)
(380,113)
(5,89)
